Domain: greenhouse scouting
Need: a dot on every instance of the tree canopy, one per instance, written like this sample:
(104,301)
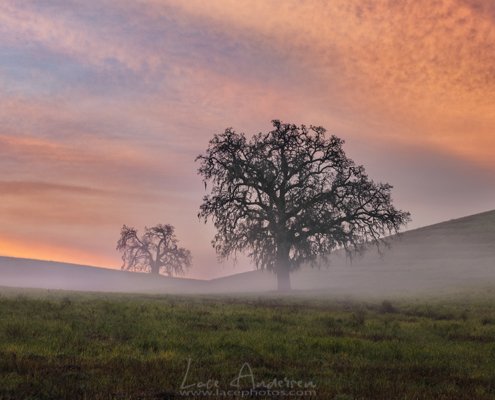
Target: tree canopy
(156,251)
(290,195)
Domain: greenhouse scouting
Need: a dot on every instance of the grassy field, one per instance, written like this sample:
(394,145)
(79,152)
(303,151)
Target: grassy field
(98,346)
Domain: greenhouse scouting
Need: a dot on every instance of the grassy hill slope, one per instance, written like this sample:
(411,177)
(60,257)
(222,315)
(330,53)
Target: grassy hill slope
(459,252)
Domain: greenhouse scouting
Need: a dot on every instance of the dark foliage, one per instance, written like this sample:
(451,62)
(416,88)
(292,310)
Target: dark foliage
(291,195)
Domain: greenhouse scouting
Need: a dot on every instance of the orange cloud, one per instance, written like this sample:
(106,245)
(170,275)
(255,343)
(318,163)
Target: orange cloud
(407,70)
(419,66)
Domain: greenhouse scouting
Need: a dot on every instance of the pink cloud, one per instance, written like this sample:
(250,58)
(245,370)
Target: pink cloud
(418,65)
(21,24)
(398,75)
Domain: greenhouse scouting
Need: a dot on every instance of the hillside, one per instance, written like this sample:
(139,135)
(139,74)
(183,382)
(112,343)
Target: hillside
(459,252)
(20,272)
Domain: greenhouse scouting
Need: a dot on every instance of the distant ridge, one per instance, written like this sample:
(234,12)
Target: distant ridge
(459,252)
(23,272)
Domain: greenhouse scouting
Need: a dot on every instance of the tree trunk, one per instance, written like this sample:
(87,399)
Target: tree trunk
(155,269)
(283,279)
(282,269)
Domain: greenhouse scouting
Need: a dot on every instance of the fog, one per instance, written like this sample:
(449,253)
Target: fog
(457,253)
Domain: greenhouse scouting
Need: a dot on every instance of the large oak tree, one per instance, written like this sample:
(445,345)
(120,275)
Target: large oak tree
(289,196)
(156,251)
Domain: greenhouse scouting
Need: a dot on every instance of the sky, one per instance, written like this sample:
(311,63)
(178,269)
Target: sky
(104,106)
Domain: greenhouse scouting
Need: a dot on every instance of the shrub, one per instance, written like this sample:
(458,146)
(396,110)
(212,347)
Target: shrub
(387,307)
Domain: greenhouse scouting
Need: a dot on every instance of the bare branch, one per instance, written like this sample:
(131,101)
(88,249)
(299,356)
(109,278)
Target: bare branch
(156,251)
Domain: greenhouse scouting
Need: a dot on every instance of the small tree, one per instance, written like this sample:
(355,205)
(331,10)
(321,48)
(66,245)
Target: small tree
(290,195)
(155,252)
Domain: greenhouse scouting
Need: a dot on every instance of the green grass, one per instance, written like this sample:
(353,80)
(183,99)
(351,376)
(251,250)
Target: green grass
(101,346)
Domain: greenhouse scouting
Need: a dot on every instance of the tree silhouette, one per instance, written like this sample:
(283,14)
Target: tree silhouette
(289,196)
(156,251)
